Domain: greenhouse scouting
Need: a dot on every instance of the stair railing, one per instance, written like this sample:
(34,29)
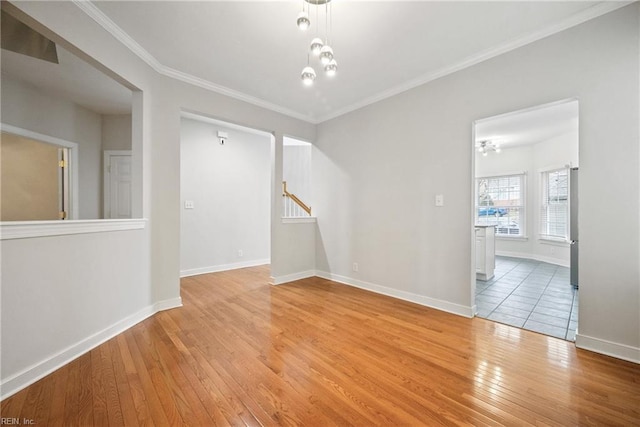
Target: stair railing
(293,206)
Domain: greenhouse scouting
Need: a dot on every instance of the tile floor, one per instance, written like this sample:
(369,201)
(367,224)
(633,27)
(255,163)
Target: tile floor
(531,295)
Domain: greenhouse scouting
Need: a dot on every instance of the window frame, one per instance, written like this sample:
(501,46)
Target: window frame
(543,225)
(522,176)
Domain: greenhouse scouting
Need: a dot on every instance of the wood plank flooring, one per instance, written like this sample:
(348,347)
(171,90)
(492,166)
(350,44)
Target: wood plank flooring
(318,353)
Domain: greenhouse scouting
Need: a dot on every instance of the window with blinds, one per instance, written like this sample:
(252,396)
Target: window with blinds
(500,201)
(554,215)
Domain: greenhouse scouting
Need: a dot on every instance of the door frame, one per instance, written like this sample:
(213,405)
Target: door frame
(73,160)
(106,172)
(473,177)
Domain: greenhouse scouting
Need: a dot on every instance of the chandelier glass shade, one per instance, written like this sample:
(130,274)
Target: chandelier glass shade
(326,54)
(308,75)
(317,48)
(331,68)
(303,20)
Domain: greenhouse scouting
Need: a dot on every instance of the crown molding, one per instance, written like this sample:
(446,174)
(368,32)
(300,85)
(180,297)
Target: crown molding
(574,20)
(112,28)
(208,85)
(105,22)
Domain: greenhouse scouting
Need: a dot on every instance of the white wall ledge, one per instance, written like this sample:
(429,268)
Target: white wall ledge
(299,220)
(33,229)
(511,238)
(554,242)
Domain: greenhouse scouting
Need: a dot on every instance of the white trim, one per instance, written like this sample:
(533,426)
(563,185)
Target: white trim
(199,117)
(532,108)
(223,267)
(535,257)
(299,220)
(508,238)
(111,27)
(449,307)
(106,177)
(290,141)
(33,373)
(292,277)
(32,229)
(553,168)
(105,22)
(577,19)
(619,351)
(563,243)
(73,160)
(503,174)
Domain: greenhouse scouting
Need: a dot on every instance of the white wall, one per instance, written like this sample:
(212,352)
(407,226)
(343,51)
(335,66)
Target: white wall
(62,295)
(375,200)
(156,125)
(116,132)
(230,186)
(532,160)
(26,107)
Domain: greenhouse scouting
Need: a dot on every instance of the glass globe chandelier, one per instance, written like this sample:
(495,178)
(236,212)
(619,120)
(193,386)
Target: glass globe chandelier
(317,48)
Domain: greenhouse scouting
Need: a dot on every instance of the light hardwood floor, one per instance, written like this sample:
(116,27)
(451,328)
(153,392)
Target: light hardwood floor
(318,353)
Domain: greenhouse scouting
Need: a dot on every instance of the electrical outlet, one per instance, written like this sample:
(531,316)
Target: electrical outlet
(355,266)
(188,204)
(240,253)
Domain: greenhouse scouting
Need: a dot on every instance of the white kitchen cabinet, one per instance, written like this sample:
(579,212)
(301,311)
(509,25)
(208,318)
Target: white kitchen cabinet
(485,252)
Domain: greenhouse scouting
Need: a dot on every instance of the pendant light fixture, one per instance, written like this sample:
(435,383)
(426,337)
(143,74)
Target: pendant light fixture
(303,21)
(331,68)
(308,74)
(317,47)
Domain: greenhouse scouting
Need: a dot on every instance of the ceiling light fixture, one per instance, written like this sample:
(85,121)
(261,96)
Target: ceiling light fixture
(317,47)
(484,147)
(303,21)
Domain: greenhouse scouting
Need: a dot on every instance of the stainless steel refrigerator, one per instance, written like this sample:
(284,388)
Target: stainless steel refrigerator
(573,225)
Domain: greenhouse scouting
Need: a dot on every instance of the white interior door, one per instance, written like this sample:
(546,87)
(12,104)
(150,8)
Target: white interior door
(117,179)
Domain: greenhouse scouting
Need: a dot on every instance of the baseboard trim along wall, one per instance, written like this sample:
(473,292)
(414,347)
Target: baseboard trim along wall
(292,277)
(441,305)
(30,375)
(619,351)
(535,257)
(223,267)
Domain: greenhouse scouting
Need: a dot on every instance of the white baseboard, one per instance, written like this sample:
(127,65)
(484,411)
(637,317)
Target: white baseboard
(223,267)
(33,373)
(535,257)
(449,307)
(292,277)
(619,351)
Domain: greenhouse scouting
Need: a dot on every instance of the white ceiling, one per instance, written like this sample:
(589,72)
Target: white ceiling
(71,79)
(529,126)
(252,50)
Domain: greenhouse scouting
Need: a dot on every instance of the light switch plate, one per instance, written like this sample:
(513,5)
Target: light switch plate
(439,200)
(188,204)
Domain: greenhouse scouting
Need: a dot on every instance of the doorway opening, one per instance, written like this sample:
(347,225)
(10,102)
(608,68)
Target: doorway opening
(525,165)
(117,178)
(225,192)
